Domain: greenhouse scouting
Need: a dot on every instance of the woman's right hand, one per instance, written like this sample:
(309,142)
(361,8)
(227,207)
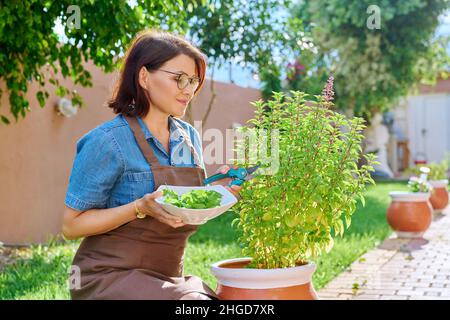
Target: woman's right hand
(150,207)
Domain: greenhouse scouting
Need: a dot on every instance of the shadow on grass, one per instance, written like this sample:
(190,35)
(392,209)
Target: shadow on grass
(218,230)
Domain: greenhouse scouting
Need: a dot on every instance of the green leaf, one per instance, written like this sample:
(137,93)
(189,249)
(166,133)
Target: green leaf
(363,201)
(5,120)
(194,199)
(41,98)
(348,220)
(235,221)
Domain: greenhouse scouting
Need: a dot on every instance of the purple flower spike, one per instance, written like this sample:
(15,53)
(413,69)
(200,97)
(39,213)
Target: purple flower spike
(327,91)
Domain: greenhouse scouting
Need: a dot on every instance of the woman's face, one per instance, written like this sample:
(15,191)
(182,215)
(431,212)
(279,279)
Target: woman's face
(163,89)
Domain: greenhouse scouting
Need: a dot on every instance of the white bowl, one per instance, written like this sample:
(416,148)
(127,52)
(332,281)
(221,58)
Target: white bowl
(197,216)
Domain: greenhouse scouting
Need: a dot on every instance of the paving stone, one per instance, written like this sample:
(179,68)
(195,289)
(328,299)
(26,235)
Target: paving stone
(366,297)
(393,297)
(410,292)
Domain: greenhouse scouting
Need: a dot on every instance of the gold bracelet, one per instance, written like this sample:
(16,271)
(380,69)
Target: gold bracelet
(139,214)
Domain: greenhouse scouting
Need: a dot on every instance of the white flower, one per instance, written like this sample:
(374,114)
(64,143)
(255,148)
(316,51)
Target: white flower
(66,108)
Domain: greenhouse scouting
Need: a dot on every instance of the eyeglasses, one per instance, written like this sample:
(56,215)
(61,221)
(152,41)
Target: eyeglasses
(183,80)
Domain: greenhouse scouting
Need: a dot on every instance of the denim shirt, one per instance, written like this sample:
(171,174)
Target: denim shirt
(109,169)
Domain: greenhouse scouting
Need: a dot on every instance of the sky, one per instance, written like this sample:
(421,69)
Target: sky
(444,27)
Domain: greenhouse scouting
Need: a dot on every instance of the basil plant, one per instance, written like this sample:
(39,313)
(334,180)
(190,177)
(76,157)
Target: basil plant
(290,215)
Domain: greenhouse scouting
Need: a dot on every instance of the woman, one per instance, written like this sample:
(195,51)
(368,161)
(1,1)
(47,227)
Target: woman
(132,248)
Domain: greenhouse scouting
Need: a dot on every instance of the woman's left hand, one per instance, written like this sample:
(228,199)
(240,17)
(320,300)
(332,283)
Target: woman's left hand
(226,181)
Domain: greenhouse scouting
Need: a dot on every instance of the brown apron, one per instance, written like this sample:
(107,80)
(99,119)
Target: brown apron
(142,259)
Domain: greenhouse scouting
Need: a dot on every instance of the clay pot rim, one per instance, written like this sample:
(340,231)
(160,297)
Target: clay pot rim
(406,196)
(261,278)
(439,183)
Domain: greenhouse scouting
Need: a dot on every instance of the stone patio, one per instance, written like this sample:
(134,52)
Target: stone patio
(400,269)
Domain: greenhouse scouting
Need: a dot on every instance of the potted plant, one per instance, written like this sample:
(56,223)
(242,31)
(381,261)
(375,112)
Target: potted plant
(410,213)
(289,216)
(439,181)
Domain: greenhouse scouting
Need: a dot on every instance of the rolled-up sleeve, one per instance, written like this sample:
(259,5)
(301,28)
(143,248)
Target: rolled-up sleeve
(97,166)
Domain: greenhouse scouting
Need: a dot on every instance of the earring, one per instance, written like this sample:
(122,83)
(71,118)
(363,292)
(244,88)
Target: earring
(132,106)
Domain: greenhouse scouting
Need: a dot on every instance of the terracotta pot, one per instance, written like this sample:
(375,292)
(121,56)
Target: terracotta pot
(410,213)
(235,282)
(439,196)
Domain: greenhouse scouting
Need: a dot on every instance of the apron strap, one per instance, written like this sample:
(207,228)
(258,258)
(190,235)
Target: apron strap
(189,142)
(142,142)
(147,150)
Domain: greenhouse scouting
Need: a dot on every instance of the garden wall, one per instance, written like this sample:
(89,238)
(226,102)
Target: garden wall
(37,152)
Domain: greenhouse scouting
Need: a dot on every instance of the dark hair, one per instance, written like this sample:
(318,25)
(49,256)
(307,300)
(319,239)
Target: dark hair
(151,49)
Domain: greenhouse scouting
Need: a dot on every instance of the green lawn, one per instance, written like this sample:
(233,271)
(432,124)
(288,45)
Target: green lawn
(41,273)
